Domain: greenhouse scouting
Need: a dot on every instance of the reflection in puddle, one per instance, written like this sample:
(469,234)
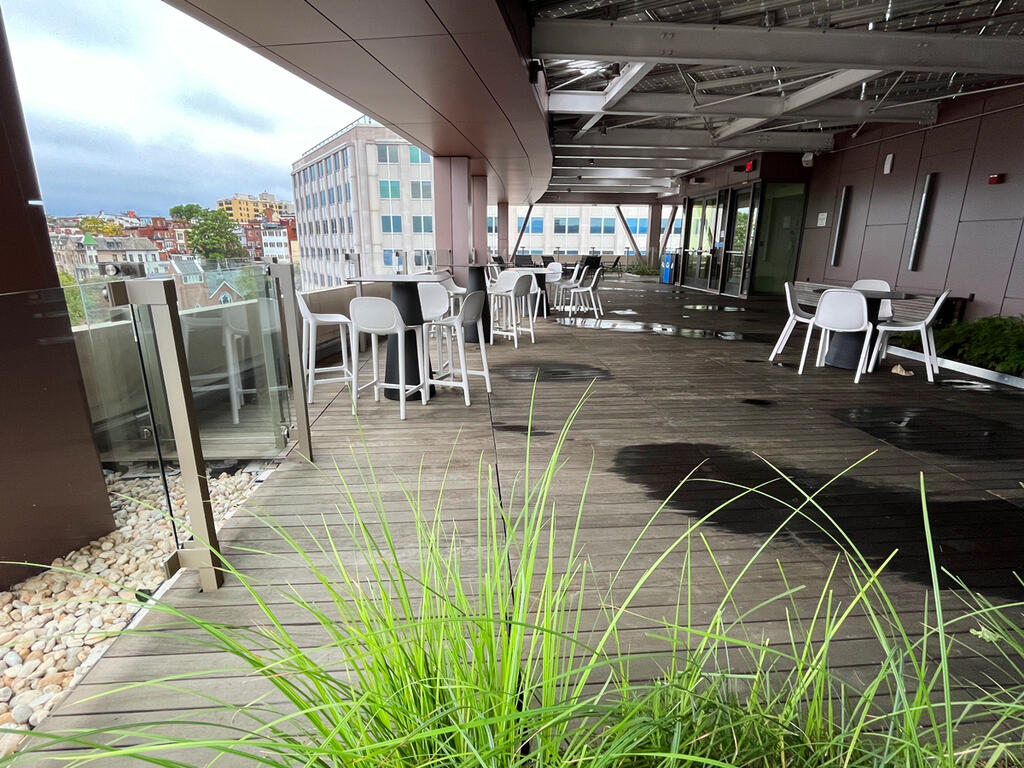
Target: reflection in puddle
(714,308)
(975,386)
(624,312)
(662,329)
(547,371)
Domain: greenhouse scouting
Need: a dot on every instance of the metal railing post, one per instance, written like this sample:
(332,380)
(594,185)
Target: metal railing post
(284,276)
(161,298)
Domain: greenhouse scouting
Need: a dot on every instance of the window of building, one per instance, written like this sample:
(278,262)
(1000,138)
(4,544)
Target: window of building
(323,197)
(307,201)
(389,257)
(422,190)
(391,224)
(570,225)
(330,195)
(225,298)
(320,169)
(417,156)
(572,253)
(344,158)
(350,224)
(492,225)
(536,252)
(348,191)
(305,175)
(536,225)
(422,224)
(390,190)
(341,225)
(327,164)
(637,226)
(387,154)
(334,226)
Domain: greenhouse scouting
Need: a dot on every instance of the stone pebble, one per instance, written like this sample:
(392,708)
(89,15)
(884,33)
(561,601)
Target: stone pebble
(55,621)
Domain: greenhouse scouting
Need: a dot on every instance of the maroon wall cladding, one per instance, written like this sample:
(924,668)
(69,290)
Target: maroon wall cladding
(972,240)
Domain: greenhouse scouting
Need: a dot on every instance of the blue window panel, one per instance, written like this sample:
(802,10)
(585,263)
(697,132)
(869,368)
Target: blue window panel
(572,253)
(609,226)
(389,256)
(537,225)
(418,157)
(536,252)
(574,225)
(595,226)
(327,164)
(519,223)
(330,194)
(344,158)
(390,190)
(643,227)
(492,224)
(323,197)
(340,193)
(631,223)
(350,224)
(559,225)
(422,224)
(348,191)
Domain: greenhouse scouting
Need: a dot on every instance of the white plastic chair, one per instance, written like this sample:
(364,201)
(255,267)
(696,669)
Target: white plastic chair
(575,280)
(796,315)
(553,278)
(435,303)
(587,295)
(380,317)
(921,325)
(311,321)
(505,297)
(470,314)
(885,308)
(232,336)
(840,310)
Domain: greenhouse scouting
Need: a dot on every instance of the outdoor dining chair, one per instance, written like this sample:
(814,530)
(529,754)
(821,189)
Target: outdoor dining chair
(587,294)
(381,317)
(840,310)
(885,308)
(470,314)
(311,322)
(506,300)
(919,324)
(796,315)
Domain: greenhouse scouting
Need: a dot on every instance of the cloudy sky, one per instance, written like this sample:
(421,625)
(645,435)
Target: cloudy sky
(130,104)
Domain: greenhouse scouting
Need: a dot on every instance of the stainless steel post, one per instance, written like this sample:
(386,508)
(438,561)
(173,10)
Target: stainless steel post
(199,552)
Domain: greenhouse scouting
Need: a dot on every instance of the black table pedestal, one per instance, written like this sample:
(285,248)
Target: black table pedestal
(407,298)
(477,281)
(844,348)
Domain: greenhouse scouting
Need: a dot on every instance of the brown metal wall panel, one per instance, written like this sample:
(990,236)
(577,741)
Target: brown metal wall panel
(892,193)
(814,254)
(943,220)
(982,259)
(1015,286)
(877,255)
(957,137)
(998,150)
(857,204)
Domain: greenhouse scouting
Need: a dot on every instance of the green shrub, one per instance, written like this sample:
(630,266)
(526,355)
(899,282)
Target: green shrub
(996,343)
(642,269)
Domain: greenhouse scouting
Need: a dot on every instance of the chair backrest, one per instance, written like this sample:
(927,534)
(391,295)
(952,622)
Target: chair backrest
(523,260)
(505,282)
(615,264)
(554,272)
(922,310)
(373,314)
(498,260)
(575,273)
(596,277)
(582,276)
(872,285)
(842,309)
(808,294)
(434,300)
(547,260)
(303,307)
(472,307)
(525,284)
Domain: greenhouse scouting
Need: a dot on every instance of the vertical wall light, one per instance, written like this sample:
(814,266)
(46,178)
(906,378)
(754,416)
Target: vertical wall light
(839,225)
(922,221)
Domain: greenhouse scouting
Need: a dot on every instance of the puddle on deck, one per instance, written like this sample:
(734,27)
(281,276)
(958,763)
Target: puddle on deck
(551,372)
(977,539)
(635,326)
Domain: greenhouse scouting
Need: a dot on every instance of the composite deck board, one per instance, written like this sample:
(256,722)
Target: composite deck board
(663,401)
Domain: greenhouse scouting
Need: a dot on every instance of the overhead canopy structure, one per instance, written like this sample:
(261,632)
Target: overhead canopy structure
(451,76)
(641,91)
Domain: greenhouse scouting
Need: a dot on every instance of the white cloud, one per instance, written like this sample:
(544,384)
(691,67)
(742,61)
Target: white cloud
(141,70)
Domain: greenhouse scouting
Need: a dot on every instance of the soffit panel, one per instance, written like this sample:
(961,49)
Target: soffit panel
(270,22)
(382,18)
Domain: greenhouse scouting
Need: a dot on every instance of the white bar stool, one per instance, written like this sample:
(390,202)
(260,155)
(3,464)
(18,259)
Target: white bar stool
(311,321)
(470,314)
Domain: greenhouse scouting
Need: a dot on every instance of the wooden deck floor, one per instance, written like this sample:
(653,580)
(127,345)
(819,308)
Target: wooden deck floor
(682,382)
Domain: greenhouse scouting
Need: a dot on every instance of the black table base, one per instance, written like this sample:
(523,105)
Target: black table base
(407,298)
(477,281)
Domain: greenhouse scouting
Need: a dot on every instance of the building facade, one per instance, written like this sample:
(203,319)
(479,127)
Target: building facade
(245,208)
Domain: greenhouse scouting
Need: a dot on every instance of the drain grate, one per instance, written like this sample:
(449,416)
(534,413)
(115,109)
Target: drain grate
(551,372)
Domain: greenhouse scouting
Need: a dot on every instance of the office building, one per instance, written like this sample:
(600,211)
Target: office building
(245,208)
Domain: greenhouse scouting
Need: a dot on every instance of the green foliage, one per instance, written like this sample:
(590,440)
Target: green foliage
(73,297)
(640,268)
(98,226)
(419,643)
(996,343)
(185,211)
(213,236)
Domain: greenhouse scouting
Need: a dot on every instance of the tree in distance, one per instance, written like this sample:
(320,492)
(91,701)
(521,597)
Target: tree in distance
(185,211)
(98,226)
(213,236)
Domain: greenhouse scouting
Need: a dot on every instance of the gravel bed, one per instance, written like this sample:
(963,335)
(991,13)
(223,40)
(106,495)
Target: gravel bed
(55,625)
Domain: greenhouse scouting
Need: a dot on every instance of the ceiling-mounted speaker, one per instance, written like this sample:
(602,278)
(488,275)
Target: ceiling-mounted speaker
(807,160)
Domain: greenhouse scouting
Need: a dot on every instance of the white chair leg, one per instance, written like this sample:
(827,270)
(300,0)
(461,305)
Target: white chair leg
(514,316)
(401,375)
(483,353)
(311,363)
(593,302)
(862,360)
(600,307)
(376,369)
(807,344)
(460,337)
(354,339)
(819,361)
(880,344)
(423,362)
(787,330)
(935,353)
(927,350)
(305,340)
(494,318)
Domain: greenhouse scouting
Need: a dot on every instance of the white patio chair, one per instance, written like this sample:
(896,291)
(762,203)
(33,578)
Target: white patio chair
(579,274)
(311,322)
(920,324)
(796,315)
(587,296)
(840,310)
(553,278)
(381,317)
(470,314)
(233,332)
(505,297)
(436,304)
(885,308)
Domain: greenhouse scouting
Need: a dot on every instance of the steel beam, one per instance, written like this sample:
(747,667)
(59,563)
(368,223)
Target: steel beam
(806,96)
(684,105)
(668,165)
(780,141)
(602,197)
(612,173)
(664,154)
(659,183)
(615,90)
(780,46)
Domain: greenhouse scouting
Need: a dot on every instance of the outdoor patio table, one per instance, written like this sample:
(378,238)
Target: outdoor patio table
(844,348)
(407,298)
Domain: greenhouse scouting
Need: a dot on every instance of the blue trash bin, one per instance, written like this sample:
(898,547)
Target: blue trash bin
(667,262)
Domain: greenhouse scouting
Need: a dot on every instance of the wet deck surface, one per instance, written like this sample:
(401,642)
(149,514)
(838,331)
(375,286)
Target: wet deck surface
(681,383)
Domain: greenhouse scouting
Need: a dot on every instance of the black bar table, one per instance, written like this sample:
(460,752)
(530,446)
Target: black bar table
(477,281)
(541,274)
(844,348)
(407,298)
